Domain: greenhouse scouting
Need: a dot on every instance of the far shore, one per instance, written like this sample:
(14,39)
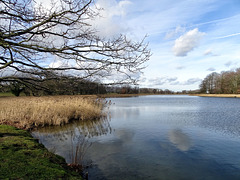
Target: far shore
(218,95)
(116,95)
(200,95)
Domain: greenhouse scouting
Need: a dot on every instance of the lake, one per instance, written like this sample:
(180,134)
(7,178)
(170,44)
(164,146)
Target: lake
(168,137)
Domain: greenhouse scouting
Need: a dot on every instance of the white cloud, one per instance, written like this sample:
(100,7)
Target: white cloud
(227,36)
(47,6)
(188,82)
(208,52)
(109,21)
(192,81)
(211,69)
(228,64)
(172,33)
(111,17)
(7,72)
(162,80)
(59,63)
(180,67)
(111,8)
(187,42)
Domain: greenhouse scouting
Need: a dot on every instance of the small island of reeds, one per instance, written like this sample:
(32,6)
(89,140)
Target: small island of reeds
(30,112)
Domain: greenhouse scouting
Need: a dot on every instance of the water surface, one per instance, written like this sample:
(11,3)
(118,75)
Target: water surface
(156,137)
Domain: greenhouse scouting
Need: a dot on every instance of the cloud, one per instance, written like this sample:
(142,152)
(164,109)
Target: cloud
(172,81)
(211,69)
(228,64)
(7,72)
(187,42)
(109,21)
(192,81)
(47,6)
(59,64)
(180,67)
(175,32)
(142,79)
(112,8)
(111,15)
(208,52)
(227,36)
(162,80)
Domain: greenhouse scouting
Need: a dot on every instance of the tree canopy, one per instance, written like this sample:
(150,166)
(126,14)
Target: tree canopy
(226,82)
(36,40)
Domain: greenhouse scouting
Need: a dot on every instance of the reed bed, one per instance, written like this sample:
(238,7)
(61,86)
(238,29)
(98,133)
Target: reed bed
(29,112)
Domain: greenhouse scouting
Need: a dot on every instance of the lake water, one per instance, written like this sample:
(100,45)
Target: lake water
(156,137)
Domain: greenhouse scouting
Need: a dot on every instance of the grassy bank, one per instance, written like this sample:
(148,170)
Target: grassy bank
(6,94)
(218,95)
(22,157)
(29,112)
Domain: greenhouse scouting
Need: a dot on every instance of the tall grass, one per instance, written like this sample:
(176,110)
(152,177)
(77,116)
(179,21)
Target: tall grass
(29,112)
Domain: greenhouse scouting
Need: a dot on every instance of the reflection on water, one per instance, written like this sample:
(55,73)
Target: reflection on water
(72,141)
(87,128)
(156,137)
(181,140)
(79,147)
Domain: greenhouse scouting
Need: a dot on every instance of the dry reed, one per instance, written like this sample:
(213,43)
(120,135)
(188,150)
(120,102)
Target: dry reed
(29,112)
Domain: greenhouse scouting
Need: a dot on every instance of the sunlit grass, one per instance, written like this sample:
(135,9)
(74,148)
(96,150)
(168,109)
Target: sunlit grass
(28,112)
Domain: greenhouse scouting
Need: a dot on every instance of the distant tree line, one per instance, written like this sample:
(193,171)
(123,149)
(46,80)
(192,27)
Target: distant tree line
(128,89)
(63,85)
(226,82)
(54,84)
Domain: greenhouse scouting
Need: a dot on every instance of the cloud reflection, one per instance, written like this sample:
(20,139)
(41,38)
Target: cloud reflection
(72,139)
(179,139)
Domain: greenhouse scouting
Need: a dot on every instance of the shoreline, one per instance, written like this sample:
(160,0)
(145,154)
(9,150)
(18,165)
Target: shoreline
(23,157)
(217,95)
(134,95)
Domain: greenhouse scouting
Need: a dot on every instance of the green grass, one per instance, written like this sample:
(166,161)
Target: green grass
(22,157)
(6,94)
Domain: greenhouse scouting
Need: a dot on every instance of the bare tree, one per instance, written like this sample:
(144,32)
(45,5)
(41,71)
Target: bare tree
(210,83)
(226,82)
(38,39)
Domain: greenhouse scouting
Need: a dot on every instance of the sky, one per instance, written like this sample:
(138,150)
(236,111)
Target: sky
(189,39)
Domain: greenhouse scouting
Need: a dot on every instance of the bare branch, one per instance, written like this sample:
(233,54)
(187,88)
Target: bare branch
(33,37)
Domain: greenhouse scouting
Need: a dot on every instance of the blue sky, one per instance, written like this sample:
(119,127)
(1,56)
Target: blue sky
(188,38)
